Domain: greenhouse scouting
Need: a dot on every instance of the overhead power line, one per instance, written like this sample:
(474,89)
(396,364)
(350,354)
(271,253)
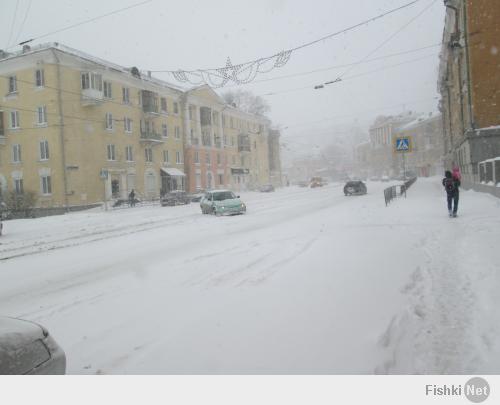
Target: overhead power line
(24,20)
(247,72)
(378,47)
(82,22)
(312,87)
(12,24)
(343,65)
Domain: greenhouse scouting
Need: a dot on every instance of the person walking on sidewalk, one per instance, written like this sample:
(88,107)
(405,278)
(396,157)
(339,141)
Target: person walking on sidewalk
(451,185)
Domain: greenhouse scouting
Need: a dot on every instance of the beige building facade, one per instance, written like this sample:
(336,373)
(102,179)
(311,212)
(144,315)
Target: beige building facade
(76,131)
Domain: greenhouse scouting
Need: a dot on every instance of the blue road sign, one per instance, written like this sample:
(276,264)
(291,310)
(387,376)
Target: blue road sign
(403,144)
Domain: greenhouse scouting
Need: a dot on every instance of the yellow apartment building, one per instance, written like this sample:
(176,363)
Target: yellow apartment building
(76,130)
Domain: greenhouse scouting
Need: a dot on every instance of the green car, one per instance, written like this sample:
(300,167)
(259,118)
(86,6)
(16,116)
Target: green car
(222,202)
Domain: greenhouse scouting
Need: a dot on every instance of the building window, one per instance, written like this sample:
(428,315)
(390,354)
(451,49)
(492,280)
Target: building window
(148,154)
(128,154)
(2,131)
(232,141)
(191,108)
(207,158)
(178,157)
(164,130)
(177,133)
(14,119)
(39,78)
(176,108)
(223,120)
(225,140)
(231,122)
(165,156)
(127,124)
(111,152)
(91,81)
(41,115)
(109,121)
(163,104)
(125,95)
(233,159)
(18,186)
(196,157)
(107,90)
(16,153)
(46,185)
(44,150)
(12,84)
(221,179)
(218,159)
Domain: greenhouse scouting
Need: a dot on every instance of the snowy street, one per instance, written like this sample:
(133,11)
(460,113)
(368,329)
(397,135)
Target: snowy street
(308,281)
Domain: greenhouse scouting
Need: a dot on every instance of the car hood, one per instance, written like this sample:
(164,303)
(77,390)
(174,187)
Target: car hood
(21,346)
(233,202)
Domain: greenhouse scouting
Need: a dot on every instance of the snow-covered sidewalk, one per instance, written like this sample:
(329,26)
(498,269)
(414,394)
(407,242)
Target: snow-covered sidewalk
(309,281)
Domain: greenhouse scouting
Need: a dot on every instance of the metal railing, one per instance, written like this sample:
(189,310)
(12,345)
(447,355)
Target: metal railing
(390,193)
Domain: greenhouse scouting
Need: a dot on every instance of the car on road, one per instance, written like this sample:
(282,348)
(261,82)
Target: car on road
(356,187)
(266,188)
(222,202)
(303,183)
(175,198)
(28,348)
(316,182)
(385,179)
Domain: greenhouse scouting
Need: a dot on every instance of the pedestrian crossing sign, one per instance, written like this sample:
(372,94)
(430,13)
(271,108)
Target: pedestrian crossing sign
(402,144)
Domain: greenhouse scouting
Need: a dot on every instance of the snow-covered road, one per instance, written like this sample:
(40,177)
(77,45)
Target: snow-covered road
(308,281)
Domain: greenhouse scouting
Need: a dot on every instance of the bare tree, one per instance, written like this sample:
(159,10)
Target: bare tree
(247,101)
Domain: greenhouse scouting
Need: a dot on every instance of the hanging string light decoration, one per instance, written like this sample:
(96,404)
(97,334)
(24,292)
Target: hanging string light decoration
(238,74)
(244,73)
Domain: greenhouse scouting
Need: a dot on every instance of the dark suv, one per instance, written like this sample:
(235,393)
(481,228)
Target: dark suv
(356,187)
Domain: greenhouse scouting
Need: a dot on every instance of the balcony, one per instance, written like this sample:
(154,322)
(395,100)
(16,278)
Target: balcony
(92,97)
(149,102)
(151,137)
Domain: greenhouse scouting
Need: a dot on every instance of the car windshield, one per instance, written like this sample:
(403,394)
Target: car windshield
(225,195)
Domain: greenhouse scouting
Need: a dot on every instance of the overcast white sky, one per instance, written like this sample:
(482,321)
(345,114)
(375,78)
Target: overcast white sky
(202,34)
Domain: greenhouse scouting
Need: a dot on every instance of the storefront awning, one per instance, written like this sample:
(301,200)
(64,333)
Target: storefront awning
(172,171)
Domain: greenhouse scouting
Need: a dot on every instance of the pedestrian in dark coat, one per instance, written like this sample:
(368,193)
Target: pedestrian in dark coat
(131,198)
(451,185)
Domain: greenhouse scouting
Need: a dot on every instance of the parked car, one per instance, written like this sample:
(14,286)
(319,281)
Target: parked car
(385,179)
(374,178)
(266,188)
(28,348)
(175,197)
(355,188)
(196,197)
(303,184)
(122,201)
(222,202)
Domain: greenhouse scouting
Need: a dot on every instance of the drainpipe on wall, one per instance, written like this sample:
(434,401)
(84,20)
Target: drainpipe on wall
(61,130)
(467,64)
